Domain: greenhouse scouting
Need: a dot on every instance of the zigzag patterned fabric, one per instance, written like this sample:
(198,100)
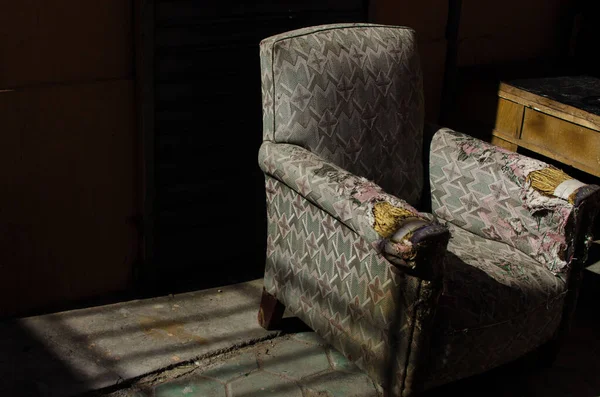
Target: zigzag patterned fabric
(331,278)
(343,131)
(349,198)
(348,93)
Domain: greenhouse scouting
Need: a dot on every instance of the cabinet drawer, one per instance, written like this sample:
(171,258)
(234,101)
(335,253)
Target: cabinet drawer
(570,143)
(508,117)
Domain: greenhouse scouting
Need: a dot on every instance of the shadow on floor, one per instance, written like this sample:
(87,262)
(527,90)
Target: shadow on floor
(28,365)
(73,352)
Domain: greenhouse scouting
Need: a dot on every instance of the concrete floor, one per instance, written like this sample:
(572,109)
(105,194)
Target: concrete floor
(303,365)
(209,343)
(75,351)
(294,365)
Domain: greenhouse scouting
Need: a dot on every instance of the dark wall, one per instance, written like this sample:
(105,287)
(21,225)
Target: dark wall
(428,18)
(67,166)
(502,41)
(586,37)
(210,226)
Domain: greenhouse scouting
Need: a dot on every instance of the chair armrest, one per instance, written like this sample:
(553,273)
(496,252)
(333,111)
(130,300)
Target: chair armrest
(393,227)
(508,197)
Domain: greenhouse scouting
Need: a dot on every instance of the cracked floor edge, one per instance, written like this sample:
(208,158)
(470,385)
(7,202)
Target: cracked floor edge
(174,371)
(294,364)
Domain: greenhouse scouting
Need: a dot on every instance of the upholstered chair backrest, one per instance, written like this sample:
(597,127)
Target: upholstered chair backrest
(352,94)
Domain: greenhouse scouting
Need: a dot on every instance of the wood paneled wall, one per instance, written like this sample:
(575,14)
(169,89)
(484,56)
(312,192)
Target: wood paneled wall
(513,30)
(67,152)
(490,32)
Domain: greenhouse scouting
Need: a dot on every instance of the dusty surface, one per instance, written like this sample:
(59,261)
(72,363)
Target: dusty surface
(294,365)
(208,343)
(302,365)
(71,352)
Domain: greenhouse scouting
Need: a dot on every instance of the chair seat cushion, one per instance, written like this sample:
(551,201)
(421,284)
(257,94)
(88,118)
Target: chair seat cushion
(497,304)
(487,281)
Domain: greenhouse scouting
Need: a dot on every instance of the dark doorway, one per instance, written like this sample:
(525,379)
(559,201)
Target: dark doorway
(208,208)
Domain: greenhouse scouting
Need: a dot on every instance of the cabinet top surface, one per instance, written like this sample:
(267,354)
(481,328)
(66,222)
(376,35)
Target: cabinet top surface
(580,92)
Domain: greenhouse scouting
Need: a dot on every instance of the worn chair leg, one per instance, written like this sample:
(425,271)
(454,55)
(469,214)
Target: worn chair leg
(270,312)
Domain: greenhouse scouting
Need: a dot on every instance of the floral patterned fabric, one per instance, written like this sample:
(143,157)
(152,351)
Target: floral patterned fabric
(483,188)
(352,94)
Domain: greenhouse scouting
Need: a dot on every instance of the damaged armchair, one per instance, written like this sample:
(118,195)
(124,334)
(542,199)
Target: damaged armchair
(415,299)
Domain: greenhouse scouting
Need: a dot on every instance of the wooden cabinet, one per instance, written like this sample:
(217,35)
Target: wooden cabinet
(556,117)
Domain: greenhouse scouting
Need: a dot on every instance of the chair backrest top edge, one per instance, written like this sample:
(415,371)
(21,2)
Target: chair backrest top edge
(324,28)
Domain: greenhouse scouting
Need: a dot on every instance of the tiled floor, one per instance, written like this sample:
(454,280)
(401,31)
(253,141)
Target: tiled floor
(297,365)
(302,365)
(177,354)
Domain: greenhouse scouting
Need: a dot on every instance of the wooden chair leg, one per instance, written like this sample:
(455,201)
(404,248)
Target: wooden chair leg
(270,312)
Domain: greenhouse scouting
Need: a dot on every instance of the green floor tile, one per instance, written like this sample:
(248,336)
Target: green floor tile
(341,363)
(341,384)
(191,387)
(234,367)
(295,359)
(263,384)
(309,337)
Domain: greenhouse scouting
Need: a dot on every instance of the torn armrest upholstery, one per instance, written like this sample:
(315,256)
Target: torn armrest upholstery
(393,227)
(507,197)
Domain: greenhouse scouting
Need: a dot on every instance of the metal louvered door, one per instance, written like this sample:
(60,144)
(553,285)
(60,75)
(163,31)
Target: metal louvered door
(210,219)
